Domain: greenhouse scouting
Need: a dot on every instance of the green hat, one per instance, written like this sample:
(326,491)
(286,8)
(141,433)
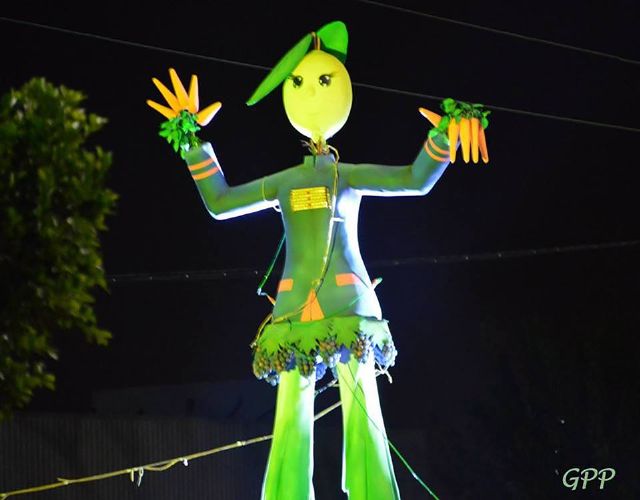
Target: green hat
(334,40)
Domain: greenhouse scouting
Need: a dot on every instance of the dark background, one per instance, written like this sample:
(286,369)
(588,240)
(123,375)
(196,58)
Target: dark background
(513,369)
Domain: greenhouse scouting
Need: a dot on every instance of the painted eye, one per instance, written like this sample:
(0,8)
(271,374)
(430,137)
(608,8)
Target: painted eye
(297,81)
(325,80)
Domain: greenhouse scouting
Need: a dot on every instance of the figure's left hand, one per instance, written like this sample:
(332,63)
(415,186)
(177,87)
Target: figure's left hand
(464,121)
(180,100)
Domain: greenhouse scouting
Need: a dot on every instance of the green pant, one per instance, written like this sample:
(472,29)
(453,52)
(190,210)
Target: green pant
(367,471)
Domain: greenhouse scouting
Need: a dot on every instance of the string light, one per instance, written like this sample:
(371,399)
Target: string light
(136,473)
(164,465)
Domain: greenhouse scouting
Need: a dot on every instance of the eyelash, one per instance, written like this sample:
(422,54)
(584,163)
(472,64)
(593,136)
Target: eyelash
(298,80)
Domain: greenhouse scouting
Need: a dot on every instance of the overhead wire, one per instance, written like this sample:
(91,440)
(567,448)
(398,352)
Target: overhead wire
(221,274)
(260,67)
(239,273)
(497,31)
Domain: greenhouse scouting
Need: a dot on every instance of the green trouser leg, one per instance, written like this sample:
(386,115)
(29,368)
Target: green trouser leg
(367,470)
(290,465)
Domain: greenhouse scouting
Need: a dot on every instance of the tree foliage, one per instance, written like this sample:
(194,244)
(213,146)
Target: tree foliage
(53,204)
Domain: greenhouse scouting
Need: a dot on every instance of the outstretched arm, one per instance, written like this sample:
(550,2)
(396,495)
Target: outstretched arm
(221,200)
(409,180)
(184,120)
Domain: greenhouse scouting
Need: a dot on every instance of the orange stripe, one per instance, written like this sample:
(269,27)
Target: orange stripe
(437,158)
(206,174)
(202,164)
(285,285)
(346,279)
(438,149)
(312,310)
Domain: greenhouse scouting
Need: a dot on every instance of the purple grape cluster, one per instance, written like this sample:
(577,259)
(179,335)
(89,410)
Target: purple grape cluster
(306,363)
(389,354)
(328,350)
(261,364)
(272,378)
(362,347)
(283,360)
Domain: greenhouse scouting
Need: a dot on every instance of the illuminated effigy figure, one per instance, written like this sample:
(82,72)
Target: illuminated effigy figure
(326,313)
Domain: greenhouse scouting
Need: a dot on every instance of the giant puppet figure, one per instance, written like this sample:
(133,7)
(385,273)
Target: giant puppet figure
(326,313)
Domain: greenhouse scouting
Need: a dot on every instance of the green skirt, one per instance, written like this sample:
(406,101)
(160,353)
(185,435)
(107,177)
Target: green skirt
(314,346)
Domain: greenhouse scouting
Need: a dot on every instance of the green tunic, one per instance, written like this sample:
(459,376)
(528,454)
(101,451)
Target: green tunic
(326,309)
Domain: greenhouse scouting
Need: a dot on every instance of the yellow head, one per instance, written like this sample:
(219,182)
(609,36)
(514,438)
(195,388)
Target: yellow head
(317,96)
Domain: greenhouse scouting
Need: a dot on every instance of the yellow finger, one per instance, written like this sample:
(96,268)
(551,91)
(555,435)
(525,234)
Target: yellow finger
(163,110)
(475,131)
(168,96)
(434,118)
(465,138)
(194,100)
(205,116)
(178,88)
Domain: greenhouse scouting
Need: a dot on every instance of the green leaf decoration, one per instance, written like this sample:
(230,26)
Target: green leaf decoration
(335,39)
(448,105)
(459,109)
(180,132)
(281,70)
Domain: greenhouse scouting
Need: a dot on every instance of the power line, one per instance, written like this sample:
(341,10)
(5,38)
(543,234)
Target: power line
(493,107)
(501,32)
(243,64)
(239,273)
(134,44)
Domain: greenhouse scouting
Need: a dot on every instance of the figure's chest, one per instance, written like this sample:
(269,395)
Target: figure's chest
(309,191)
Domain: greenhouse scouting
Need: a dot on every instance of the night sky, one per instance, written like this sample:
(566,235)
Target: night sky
(553,337)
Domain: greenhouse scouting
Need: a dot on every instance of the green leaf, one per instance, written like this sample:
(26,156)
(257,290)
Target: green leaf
(448,105)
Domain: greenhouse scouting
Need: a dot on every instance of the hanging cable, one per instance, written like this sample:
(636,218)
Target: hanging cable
(501,32)
(383,433)
(265,278)
(355,84)
(240,273)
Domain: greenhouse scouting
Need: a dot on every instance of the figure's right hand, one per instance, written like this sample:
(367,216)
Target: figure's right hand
(463,121)
(180,100)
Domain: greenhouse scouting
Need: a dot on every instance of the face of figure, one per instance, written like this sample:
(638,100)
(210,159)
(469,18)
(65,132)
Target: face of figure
(317,96)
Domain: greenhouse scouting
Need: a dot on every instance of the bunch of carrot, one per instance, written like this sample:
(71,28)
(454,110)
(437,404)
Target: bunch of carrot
(462,121)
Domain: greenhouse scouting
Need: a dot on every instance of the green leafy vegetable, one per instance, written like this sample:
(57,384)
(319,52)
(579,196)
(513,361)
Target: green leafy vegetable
(456,110)
(180,132)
